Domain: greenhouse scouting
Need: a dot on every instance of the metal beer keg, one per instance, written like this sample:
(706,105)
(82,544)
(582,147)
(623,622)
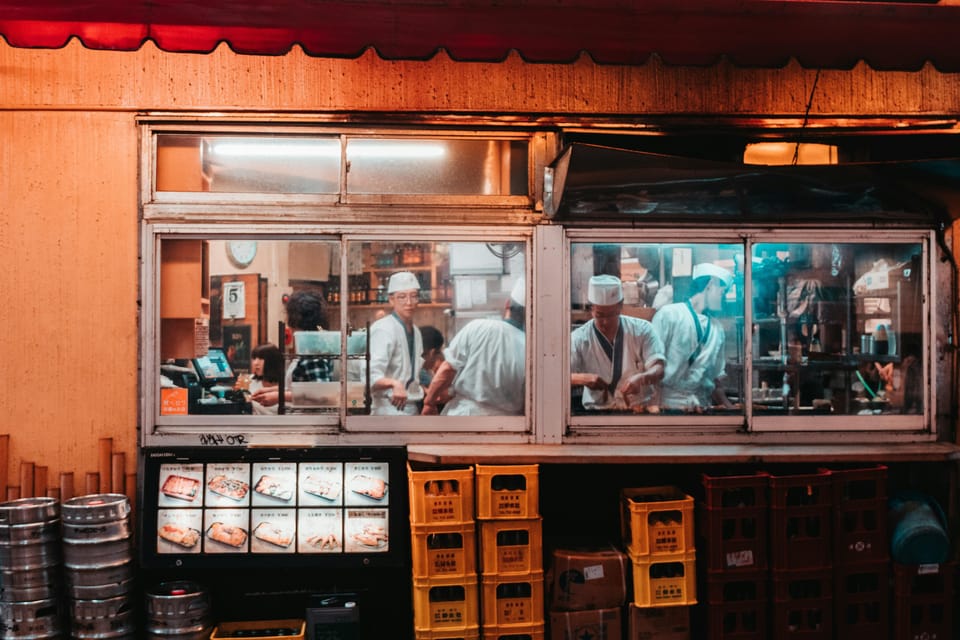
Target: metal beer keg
(178,610)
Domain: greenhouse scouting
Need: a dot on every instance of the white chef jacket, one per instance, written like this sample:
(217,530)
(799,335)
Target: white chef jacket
(489,357)
(689,384)
(641,349)
(390,357)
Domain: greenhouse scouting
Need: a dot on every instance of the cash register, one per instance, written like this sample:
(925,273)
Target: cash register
(216,379)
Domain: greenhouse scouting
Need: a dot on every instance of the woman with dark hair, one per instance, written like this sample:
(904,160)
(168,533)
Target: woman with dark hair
(266,367)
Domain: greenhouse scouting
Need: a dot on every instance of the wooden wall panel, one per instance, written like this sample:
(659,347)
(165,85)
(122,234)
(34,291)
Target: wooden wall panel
(68,192)
(75,77)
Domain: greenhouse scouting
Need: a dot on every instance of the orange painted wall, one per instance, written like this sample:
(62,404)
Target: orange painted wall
(68,185)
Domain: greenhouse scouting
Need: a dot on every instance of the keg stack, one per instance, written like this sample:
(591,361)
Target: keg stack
(30,565)
(98,562)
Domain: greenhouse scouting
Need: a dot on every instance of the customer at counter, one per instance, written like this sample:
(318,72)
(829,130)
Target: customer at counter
(306,311)
(395,348)
(266,367)
(615,358)
(694,347)
(485,365)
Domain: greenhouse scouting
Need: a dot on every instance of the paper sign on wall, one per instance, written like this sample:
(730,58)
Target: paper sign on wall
(234,300)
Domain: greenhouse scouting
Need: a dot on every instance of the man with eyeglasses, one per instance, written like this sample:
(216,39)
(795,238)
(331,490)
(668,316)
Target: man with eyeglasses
(395,348)
(694,344)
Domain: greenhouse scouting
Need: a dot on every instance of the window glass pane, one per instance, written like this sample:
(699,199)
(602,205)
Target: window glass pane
(838,328)
(440,167)
(444,309)
(657,328)
(248,164)
(220,307)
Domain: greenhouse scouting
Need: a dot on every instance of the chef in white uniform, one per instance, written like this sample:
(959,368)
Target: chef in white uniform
(395,348)
(485,365)
(694,343)
(617,359)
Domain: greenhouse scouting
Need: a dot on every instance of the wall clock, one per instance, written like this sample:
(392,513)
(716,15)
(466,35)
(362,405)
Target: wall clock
(241,252)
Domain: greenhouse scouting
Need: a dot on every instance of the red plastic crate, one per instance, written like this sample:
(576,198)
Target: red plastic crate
(735,491)
(737,606)
(801,490)
(734,539)
(800,538)
(861,595)
(863,486)
(923,600)
(802,605)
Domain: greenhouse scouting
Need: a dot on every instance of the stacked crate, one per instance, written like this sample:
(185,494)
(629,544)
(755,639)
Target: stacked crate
(923,600)
(511,552)
(801,555)
(444,554)
(657,528)
(861,562)
(732,524)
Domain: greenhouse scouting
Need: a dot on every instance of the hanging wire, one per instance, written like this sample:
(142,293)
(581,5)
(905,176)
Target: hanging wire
(806,117)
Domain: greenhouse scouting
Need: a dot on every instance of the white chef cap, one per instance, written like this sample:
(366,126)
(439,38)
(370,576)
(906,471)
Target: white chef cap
(403,281)
(519,292)
(710,269)
(604,290)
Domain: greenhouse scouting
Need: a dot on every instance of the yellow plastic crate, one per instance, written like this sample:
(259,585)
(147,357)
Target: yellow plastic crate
(511,546)
(512,600)
(468,633)
(442,496)
(513,632)
(508,491)
(287,629)
(445,604)
(444,550)
(664,580)
(656,520)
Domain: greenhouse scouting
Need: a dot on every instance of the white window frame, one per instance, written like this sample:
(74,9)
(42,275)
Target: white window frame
(747,427)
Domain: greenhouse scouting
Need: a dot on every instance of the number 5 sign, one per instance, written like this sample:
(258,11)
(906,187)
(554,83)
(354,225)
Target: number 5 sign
(234,300)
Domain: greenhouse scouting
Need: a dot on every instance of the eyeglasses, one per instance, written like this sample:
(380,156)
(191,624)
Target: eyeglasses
(406,297)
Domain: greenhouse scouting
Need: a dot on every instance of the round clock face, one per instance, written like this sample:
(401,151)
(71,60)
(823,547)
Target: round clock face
(241,252)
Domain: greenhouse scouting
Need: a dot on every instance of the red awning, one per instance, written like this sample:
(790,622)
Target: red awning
(762,33)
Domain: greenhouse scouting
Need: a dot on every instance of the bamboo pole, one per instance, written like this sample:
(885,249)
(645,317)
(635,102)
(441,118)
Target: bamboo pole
(117,471)
(26,479)
(66,485)
(40,472)
(92,483)
(104,464)
(4,462)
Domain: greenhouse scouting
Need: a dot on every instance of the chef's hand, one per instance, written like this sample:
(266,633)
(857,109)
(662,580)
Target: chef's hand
(399,397)
(429,409)
(595,382)
(633,385)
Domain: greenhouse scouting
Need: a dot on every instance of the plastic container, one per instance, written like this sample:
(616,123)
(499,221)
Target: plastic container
(285,629)
(445,604)
(918,530)
(508,491)
(511,546)
(861,596)
(513,600)
(514,632)
(736,491)
(664,580)
(735,539)
(860,519)
(803,604)
(656,520)
(923,600)
(468,633)
(443,496)
(737,606)
(444,550)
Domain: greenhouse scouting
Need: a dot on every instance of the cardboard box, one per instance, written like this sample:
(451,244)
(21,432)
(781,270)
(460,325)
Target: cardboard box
(596,624)
(588,578)
(661,623)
